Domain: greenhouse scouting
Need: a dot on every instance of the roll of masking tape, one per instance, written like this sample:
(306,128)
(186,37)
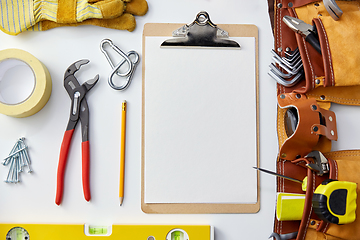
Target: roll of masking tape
(41,91)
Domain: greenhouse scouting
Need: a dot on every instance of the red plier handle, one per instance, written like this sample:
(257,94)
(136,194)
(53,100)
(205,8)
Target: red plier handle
(62,165)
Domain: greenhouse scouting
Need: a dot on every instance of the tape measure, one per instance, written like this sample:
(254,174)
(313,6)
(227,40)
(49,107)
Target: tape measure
(335,201)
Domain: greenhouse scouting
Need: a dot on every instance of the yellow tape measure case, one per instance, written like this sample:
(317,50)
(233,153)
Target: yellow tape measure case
(335,201)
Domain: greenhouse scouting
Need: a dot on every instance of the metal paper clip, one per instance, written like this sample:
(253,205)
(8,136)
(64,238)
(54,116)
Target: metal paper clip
(116,68)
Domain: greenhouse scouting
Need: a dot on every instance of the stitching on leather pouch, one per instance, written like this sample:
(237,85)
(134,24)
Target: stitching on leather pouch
(339,99)
(310,65)
(341,154)
(326,228)
(337,170)
(308,58)
(280,126)
(329,54)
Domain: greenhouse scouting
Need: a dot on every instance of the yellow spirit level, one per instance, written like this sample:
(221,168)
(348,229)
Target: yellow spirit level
(335,201)
(88,232)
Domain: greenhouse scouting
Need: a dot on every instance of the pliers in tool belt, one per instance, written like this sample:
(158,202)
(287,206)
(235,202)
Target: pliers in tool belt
(307,31)
(79,110)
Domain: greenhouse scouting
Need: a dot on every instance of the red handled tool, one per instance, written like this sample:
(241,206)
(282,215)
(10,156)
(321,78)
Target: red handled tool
(79,110)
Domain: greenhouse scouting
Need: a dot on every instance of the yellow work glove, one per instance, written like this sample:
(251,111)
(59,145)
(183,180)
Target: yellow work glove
(124,22)
(18,16)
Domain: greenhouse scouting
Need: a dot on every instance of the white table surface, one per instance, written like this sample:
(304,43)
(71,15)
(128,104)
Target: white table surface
(32,201)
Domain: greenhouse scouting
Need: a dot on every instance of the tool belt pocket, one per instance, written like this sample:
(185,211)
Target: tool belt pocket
(345,169)
(340,51)
(317,220)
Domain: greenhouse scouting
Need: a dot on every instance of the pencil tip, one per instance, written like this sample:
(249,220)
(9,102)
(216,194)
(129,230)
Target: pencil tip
(121,201)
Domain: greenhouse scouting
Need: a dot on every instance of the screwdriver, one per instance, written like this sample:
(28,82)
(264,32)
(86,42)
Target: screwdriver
(303,182)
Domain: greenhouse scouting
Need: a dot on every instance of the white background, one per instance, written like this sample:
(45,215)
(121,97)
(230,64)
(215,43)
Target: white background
(32,201)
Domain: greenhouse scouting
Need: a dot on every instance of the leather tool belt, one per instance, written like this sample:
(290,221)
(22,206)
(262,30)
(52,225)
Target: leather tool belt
(329,77)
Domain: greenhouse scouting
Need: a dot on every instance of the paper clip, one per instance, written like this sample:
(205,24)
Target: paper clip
(116,69)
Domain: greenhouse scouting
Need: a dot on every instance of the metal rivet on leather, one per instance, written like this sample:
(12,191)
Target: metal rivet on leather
(290,4)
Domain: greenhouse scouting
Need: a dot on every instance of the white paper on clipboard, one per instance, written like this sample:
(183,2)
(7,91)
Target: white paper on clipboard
(200,124)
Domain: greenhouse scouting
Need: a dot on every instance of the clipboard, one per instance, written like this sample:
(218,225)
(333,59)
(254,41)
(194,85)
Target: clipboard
(157,138)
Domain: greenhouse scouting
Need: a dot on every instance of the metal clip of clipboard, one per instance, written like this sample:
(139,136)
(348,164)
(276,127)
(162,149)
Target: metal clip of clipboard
(200,33)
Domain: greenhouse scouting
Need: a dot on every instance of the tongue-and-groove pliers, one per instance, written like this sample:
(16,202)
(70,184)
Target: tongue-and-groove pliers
(79,110)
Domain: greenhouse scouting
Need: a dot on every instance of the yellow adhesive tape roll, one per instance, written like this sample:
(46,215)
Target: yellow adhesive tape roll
(42,87)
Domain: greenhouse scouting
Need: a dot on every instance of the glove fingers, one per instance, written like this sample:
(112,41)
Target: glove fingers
(124,22)
(137,7)
(110,8)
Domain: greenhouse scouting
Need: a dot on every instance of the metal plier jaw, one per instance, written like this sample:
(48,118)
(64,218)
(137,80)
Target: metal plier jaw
(74,89)
(298,26)
(307,31)
(320,165)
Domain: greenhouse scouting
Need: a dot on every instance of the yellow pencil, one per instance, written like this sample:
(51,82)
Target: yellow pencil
(122,152)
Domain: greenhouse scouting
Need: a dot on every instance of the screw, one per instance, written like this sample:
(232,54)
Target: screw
(9,176)
(18,158)
(15,152)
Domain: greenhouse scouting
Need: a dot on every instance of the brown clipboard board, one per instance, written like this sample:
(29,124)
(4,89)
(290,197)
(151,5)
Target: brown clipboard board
(166,29)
